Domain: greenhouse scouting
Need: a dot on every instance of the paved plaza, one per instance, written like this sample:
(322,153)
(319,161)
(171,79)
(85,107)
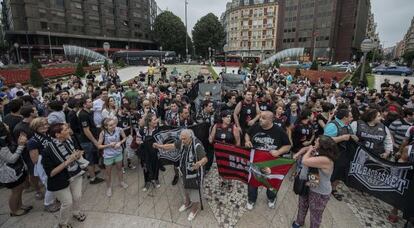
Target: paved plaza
(222,208)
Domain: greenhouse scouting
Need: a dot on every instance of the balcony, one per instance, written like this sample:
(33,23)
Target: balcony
(269,25)
(245,38)
(270,14)
(245,27)
(269,36)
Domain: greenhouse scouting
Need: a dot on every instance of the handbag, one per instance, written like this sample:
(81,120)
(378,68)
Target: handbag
(299,185)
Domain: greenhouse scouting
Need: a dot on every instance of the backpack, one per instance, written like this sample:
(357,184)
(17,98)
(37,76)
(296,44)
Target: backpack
(10,173)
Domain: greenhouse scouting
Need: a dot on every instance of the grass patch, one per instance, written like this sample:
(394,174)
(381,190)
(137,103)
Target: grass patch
(371,81)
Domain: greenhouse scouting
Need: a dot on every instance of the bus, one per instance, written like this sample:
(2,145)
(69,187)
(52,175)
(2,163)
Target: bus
(229,60)
(235,60)
(145,57)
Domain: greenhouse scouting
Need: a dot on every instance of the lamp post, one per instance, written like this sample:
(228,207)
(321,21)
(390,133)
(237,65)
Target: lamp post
(213,53)
(186,30)
(106,47)
(225,49)
(366,46)
(50,45)
(127,47)
(209,54)
(16,45)
(160,55)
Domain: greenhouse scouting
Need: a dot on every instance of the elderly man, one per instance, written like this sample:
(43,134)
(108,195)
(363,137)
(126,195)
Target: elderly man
(266,136)
(193,158)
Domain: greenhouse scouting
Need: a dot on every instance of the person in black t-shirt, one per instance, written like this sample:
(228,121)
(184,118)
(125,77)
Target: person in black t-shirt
(303,133)
(266,136)
(87,138)
(23,128)
(247,112)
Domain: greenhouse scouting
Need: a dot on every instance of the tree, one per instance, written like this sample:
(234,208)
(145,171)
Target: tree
(79,70)
(36,63)
(36,79)
(208,32)
(314,66)
(85,62)
(297,73)
(169,32)
(276,64)
(106,65)
(409,58)
(355,77)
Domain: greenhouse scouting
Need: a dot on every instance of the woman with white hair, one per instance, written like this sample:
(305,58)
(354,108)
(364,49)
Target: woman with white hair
(193,158)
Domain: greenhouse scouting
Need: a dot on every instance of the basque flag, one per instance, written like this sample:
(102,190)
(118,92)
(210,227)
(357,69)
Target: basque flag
(248,165)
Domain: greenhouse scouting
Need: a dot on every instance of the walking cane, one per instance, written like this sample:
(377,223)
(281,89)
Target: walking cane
(199,189)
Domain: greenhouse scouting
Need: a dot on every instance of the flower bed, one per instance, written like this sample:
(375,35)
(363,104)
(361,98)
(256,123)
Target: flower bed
(314,75)
(13,76)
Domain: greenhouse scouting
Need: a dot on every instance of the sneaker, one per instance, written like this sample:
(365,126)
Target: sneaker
(249,206)
(39,196)
(131,166)
(192,215)
(175,180)
(146,187)
(157,184)
(97,180)
(184,207)
(52,208)
(124,185)
(109,192)
(295,225)
(271,204)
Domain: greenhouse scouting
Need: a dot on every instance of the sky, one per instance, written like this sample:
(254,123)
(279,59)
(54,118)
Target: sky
(393,17)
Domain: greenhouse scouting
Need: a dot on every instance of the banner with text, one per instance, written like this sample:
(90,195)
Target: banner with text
(388,181)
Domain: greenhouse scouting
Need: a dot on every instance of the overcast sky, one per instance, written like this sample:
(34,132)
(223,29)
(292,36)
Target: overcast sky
(392,16)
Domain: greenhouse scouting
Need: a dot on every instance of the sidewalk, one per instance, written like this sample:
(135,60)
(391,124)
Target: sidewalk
(159,208)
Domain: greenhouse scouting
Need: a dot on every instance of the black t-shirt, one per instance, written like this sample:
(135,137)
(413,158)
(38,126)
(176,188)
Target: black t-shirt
(301,133)
(12,121)
(271,139)
(86,120)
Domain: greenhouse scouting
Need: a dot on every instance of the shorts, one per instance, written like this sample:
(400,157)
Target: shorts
(113,160)
(18,182)
(91,153)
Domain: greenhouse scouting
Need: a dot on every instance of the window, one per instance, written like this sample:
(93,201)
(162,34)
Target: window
(43,25)
(60,3)
(95,8)
(77,5)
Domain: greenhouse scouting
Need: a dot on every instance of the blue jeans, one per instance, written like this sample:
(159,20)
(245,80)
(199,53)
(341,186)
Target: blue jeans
(252,194)
(91,153)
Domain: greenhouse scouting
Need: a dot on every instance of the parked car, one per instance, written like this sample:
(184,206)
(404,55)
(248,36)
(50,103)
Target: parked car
(343,66)
(290,64)
(393,70)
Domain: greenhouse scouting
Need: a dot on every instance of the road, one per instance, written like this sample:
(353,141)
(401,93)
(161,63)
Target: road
(379,79)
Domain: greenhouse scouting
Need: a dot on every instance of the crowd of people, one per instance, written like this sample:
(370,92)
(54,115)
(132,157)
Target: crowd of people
(80,128)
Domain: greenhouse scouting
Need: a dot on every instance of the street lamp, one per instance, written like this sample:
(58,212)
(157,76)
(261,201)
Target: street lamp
(225,49)
(186,30)
(127,47)
(366,46)
(16,45)
(209,54)
(106,47)
(50,45)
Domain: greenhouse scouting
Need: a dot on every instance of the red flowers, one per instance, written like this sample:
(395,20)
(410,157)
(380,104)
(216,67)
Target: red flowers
(13,76)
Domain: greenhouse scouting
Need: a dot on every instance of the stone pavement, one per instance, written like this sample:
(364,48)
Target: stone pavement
(222,208)
(379,79)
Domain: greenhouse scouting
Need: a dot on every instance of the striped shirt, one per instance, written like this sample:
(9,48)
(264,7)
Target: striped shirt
(398,129)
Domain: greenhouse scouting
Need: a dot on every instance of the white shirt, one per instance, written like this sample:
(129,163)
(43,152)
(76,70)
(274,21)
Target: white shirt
(97,112)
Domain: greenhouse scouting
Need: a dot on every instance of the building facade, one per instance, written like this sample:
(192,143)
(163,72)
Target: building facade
(329,29)
(251,27)
(409,39)
(43,26)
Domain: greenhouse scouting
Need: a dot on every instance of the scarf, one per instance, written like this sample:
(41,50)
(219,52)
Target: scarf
(62,151)
(42,139)
(188,159)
